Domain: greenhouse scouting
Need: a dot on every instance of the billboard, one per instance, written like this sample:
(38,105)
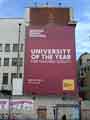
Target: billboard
(50,60)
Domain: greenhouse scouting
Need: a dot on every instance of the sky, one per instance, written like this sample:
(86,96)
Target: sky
(81,8)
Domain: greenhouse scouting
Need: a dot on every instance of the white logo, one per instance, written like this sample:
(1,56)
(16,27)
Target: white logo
(37,33)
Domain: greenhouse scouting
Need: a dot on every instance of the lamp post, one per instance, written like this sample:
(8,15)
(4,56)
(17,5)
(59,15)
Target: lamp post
(80,108)
(18,55)
(18,67)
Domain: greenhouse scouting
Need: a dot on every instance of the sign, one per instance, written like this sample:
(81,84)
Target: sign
(68,85)
(4,105)
(34,33)
(50,58)
(50,55)
(17,86)
(16,105)
(21,105)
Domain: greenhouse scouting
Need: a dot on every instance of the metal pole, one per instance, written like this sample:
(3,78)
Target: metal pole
(9,108)
(18,55)
(80,109)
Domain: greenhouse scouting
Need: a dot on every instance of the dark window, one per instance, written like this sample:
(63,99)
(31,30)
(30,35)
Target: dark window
(82,82)
(0,61)
(21,48)
(13,75)
(15,47)
(5,78)
(80,61)
(88,61)
(21,62)
(0,47)
(82,74)
(7,47)
(6,61)
(20,75)
(14,61)
(88,68)
(84,69)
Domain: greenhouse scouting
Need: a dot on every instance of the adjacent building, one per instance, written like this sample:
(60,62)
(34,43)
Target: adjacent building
(9,35)
(84,75)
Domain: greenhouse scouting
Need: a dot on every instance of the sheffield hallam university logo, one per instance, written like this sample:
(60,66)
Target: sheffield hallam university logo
(37,33)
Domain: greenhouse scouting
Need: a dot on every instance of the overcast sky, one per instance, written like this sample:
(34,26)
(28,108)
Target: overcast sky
(16,8)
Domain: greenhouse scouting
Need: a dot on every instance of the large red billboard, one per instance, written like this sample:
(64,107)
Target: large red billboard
(50,60)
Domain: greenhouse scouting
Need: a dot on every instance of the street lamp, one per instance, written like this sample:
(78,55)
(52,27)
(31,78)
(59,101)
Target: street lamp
(80,101)
(18,55)
(18,68)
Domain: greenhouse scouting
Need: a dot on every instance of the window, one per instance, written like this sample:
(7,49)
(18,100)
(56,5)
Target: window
(84,69)
(15,47)
(80,61)
(7,47)
(14,61)
(6,61)
(0,61)
(21,62)
(82,74)
(13,75)
(21,48)
(88,61)
(20,75)
(88,68)
(0,47)
(5,78)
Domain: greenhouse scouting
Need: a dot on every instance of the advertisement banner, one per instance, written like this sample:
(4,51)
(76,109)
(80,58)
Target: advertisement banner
(17,86)
(16,106)
(50,58)
(4,105)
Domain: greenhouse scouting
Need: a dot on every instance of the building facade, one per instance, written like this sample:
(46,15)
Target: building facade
(9,35)
(84,78)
